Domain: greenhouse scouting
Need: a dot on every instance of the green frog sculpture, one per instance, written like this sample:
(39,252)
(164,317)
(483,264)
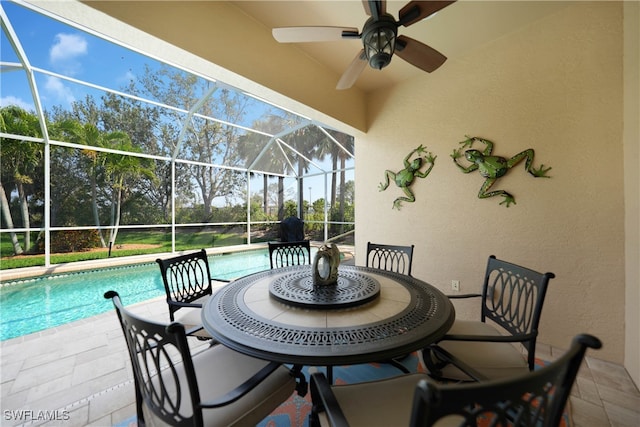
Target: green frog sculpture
(405,177)
(494,167)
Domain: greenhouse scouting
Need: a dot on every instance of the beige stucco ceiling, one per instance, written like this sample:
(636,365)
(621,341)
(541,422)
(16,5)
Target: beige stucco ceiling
(453,30)
(236,35)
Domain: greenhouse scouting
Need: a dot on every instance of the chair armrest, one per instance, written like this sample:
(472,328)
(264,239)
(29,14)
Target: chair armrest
(488,338)
(193,330)
(243,388)
(464,296)
(325,401)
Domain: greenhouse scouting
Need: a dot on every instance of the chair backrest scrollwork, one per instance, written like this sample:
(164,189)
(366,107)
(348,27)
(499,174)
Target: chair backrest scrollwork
(390,257)
(512,297)
(186,278)
(284,254)
(535,399)
(157,353)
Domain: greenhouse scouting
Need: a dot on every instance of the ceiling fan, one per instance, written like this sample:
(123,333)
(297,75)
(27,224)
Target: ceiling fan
(379,36)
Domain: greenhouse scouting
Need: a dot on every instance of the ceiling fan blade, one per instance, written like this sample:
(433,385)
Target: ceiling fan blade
(353,72)
(415,11)
(419,54)
(313,34)
(375,8)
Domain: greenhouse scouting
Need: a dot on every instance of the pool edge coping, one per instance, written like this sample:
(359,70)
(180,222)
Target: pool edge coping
(32,272)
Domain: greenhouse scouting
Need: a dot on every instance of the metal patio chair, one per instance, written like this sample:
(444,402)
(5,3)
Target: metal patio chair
(397,259)
(532,399)
(390,257)
(284,254)
(511,299)
(187,284)
(215,387)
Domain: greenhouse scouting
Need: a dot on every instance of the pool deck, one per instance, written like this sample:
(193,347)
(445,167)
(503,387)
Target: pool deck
(80,372)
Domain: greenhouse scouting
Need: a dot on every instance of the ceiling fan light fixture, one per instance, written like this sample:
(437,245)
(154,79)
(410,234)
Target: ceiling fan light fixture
(379,40)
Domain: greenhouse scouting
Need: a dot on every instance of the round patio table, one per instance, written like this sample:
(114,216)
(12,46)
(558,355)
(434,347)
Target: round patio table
(375,315)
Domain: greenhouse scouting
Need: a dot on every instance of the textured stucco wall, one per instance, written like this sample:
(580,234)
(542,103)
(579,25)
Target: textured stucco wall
(632,185)
(555,86)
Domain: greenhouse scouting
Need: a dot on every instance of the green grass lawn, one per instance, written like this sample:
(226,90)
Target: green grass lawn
(153,241)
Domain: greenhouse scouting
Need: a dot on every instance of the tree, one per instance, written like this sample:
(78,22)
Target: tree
(347,142)
(197,137)
(120,169)
(305,142)
(71,202)
(252,145)
(89,135)
(113,170)
(20,159)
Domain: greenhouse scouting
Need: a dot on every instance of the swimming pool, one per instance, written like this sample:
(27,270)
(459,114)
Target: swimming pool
(43,302)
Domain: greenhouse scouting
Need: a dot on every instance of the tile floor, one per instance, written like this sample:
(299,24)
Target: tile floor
(603,395)
(79,374)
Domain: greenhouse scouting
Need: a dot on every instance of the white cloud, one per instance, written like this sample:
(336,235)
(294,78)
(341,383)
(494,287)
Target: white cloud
(65,51)
(128,77)
(12,100)
(58,90)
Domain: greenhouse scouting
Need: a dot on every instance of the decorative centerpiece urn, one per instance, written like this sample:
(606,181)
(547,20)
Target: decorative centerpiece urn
(325,265)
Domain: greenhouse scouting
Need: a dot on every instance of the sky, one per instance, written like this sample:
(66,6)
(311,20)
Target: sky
(62,49)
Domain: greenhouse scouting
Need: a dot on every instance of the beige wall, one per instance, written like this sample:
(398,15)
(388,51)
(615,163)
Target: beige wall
(632,185)
(555,86)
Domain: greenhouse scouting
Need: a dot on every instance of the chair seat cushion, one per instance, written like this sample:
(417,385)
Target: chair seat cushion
(385,402)
(219,370)
(191,318)
(491,359)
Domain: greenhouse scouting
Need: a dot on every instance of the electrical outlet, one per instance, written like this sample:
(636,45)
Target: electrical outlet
(455,285)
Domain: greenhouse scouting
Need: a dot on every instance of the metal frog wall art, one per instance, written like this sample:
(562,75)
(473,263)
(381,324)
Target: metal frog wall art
(494,167)
(405,177)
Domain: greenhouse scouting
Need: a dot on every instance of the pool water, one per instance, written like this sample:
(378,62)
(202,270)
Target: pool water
(44,302)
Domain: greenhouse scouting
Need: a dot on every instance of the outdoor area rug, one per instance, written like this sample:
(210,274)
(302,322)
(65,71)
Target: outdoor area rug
(294,412)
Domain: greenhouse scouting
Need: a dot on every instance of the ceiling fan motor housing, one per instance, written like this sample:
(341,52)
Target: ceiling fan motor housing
(379,39)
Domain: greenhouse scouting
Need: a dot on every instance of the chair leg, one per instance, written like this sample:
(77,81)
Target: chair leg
(313,419)
(330,374)
(317,407)
(433,363)
(302,387)
(140,414)
(397,364)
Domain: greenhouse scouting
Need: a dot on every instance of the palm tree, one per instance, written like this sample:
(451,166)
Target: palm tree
(305,142)
(348,143)
(114,168)
(89,135)
(251,146)
(20,160)
(120,169)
